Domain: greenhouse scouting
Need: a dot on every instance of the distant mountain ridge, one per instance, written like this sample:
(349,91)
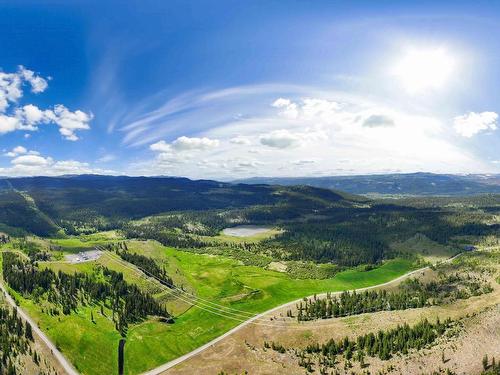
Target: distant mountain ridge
(419,184)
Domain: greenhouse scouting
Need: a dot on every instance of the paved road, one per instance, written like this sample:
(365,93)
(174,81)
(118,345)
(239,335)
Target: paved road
(185,357)
(70,370)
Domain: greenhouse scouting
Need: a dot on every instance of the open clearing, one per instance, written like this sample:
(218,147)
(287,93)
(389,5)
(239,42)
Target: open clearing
(84,256)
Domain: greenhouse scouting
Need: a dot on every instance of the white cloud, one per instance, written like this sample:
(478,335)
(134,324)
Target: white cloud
(280,139)
(70,167)
(18,150)
(32,115)
(8,124)
(473,123)
(288,108)
(160,146)
(185,144)
(166,158)
(38,84)
(31,163)
(302,162)
(69,122)
(320,108)
(10,89)
(281,103)
(106,158)
(11,86)
(307,108)
(29,117)
(180,151)
(249,164)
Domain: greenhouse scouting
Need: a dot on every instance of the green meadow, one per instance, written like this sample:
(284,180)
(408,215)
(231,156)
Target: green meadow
(92,347)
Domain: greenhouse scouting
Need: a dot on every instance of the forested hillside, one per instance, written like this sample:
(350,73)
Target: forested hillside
(92,203)
(313,224)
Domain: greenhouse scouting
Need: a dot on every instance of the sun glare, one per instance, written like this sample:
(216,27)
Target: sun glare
(424,69)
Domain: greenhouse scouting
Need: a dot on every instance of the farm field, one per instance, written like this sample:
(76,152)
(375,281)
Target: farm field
(216,279)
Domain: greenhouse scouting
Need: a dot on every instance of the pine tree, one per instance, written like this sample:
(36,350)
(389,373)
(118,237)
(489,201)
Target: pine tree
(485,362)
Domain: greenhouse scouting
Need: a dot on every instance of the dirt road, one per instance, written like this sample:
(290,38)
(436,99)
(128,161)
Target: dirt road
(66,365)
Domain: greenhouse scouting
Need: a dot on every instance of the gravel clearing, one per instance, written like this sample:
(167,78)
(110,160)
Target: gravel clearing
(84,256)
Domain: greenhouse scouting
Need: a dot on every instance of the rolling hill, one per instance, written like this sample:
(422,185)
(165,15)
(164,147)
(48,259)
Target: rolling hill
(36,203)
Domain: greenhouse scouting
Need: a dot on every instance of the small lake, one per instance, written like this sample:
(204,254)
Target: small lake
(245,230)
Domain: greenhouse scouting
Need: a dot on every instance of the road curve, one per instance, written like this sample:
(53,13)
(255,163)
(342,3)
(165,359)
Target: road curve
(66,365)
(160,369)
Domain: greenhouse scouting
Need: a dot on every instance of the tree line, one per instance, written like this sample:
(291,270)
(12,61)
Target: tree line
(383,344)
(411,293)
(358,303)
(148,266)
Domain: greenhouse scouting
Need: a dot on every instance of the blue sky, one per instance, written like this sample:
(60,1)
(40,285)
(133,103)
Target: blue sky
(228,89)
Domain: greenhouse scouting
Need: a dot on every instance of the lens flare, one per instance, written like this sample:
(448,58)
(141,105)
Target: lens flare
(421,70)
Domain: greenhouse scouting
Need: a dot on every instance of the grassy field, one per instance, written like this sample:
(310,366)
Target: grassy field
(92,347)
(76,244)
(244,350)
(217,279)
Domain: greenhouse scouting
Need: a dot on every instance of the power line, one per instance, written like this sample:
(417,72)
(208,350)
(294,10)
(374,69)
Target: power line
(227,314)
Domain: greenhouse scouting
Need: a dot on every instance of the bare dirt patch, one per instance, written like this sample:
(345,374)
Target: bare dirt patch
(277,266)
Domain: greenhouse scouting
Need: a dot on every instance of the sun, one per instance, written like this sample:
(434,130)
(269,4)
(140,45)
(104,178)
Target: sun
(421,70)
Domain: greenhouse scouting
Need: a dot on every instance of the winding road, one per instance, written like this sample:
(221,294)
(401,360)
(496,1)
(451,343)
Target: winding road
(175,362)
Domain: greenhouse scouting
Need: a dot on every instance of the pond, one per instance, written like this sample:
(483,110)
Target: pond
(245,230)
